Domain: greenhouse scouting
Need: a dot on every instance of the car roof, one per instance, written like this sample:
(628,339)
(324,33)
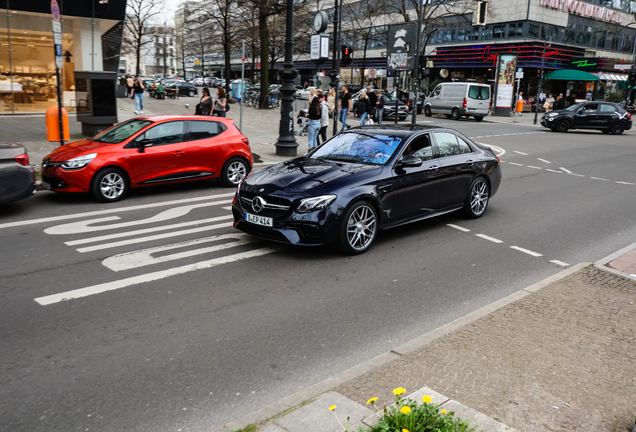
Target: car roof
(165,117)
(401,131)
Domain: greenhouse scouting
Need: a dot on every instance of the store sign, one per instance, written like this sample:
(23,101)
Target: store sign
(488,56)
(583,63)
(586,10)
(319,48)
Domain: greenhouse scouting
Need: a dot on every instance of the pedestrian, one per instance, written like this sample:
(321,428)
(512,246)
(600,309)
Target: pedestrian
(204,107)
(373,99)
(560,102)
(221,102)
(379,107)
(549,103)
(363,107)
(314,115)
(129,85)
(344,107)
(312,94)
(324,118)
(331,101)
(138,91)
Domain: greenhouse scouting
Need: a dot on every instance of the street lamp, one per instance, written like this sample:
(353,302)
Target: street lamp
(286,144)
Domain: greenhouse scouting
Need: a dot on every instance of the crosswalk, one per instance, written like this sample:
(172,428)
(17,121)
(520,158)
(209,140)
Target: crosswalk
(148,247)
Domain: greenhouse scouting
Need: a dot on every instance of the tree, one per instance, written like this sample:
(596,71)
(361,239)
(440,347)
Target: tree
(139,16)
(198,44)
(180,44)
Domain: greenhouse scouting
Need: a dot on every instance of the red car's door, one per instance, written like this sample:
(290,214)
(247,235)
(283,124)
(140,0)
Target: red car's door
(164,156)
(207,146)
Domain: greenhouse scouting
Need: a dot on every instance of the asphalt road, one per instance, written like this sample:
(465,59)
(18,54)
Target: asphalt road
(178,322)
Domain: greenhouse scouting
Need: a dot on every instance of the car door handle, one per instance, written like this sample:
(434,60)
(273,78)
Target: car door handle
(468,162)
(433,168)
(385,188)
(178,153)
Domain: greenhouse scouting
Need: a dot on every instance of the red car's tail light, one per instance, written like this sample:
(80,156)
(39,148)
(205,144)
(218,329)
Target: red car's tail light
(22,159)
(245,140)
(498,161)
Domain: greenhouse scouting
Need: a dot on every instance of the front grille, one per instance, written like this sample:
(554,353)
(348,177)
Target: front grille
(274,207)
(269,199)
(263,232)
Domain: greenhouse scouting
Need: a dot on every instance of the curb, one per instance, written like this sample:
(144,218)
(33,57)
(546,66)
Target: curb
(602,263)
(316,390)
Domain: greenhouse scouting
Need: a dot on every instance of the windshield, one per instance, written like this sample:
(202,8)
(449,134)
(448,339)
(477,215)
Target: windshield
(358,147)
(121,132)
(575,107)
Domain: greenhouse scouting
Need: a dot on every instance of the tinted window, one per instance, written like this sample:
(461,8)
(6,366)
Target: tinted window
(165,133)
(590,109)
(352,147)
(607,109)
(464,147)
(203,129)
(447,144)
(122,131)
(479,92)
(420,147)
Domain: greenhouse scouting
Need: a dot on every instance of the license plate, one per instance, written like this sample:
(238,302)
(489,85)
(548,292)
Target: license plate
(259,220)
(46,185)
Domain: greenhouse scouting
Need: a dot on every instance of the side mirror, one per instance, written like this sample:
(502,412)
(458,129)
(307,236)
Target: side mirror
(410,162)
(143,144)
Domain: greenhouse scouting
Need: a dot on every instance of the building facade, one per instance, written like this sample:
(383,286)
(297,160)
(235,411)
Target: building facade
(160,51)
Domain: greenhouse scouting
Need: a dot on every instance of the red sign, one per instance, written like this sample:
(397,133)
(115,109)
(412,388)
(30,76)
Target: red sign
(55,10)
(488,54)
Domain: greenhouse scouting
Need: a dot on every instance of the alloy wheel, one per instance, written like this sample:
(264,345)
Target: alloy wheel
(236,172)
(479,197)
(112,185)
(361,227)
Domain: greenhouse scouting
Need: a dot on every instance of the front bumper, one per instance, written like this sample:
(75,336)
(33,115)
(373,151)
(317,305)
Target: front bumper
(57,179)
(548,122)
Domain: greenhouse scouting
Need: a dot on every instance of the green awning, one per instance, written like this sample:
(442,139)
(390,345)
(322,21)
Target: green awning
(571,75)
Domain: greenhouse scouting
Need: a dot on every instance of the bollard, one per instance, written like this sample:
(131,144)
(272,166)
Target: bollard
(53,124)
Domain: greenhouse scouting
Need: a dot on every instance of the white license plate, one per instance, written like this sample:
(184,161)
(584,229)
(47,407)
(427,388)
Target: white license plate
(259,220)
(46,185)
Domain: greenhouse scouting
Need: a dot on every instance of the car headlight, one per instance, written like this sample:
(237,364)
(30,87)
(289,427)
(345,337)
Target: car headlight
(79,162)
(552,114)
(316,203)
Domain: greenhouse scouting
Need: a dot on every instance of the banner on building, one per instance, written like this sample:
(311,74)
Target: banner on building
(401,46)
(506,68)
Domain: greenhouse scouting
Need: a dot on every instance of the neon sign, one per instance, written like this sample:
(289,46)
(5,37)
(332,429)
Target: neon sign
(487,56)
(582,63)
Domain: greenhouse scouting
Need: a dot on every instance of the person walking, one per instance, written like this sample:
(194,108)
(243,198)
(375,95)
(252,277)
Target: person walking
(373,99)
(331,100)
(379,107)
(519,105)
(138,91)
(221,102)
(363,107)
(324,118)
(344,107)
(129,85)
(549,103)
(560,102)
(312,94)
(314,115)
(204,107)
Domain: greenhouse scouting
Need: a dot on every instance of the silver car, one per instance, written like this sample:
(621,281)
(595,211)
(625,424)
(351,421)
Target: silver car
(17,176)
(457,99)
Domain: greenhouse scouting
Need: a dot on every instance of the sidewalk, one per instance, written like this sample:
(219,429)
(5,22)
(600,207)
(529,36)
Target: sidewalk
(557,356)
(527,119)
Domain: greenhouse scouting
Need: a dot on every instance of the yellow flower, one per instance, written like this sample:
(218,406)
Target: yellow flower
(398,391)
(405,430)
(405,410)
(443,411)
(332,407)
(373,399)
(427,399)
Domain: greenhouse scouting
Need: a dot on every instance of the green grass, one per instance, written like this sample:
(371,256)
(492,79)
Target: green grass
(248,428)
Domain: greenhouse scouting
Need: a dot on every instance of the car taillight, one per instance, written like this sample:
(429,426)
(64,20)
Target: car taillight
(465,104)
(498,161)
(22,159)
(629,116)
(245,140)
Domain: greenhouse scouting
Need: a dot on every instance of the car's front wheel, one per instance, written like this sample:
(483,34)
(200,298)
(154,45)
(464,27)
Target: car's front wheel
(477,199)
(234,171)
(617,128)
(563,126)
(359,228)
(427,111)
(109,185)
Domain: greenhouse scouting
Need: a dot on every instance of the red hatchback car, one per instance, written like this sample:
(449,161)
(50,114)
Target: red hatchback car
(147,151)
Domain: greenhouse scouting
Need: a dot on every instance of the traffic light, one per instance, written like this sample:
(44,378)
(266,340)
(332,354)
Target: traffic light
(347,56)
(631,79)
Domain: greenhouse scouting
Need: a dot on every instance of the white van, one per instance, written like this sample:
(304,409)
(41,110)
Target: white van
(456,99)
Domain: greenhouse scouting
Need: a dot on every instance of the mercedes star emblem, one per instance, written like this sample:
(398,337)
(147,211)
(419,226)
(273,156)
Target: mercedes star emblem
(261,189)
(257,204)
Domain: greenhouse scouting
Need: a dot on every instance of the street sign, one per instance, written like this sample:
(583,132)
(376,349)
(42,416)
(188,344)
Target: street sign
(401,46)
(58,51)
(197,62)
(315,47)
(57,38)
(371,73)
(59,63)
(57,27)
(623,66)
(519,75)
(55,10)
(319,48)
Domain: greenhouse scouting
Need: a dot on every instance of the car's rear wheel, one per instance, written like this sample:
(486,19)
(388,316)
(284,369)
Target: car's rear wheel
(477,199)
(428,112)
(359,228)
(563,126)
(455,115)
(234,171)
(109,185)
(478,119)
(191,93)
(617,128)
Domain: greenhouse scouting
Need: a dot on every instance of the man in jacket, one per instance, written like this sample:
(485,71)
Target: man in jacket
(372,100)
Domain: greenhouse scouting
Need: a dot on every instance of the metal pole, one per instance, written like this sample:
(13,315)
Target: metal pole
(335,64)
(286,144)
(536,111)
(10,59)
(416,66)
(93,37)
(242,86)
(397,99)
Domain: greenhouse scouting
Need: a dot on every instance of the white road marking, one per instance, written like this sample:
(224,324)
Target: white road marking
(597,178)
(492,239)
(111,210)
(566,170)
(561,263)
(496,135)
(555,171)
(577,175)
(625,183)
(521,153)
(85,225)
(498,150)
(458,227)
(146,230)
(141,258)
(529,252)
(533,167)
(153,237)
(514,163)
(229,208)
(149,277)
(543,160)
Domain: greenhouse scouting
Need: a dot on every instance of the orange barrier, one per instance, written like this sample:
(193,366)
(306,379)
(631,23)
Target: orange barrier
(53,124)
(520,106)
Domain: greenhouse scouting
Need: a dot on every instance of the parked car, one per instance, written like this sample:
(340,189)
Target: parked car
(149,150)
(457,99)
(364,180)
(604,116)
(185,89)
(17,176)
(389,106)
(302,94)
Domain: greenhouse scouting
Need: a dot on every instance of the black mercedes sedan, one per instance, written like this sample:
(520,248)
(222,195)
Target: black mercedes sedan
(364,180)
(604,116)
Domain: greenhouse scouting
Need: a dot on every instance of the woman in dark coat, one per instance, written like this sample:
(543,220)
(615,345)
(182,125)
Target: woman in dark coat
(204,107)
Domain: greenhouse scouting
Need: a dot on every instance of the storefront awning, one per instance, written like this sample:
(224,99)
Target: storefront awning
(571,75)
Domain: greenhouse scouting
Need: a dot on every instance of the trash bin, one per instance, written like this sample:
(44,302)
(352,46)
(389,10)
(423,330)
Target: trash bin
(53,124)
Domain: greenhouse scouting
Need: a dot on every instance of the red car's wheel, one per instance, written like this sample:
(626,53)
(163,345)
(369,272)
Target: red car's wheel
(109,185)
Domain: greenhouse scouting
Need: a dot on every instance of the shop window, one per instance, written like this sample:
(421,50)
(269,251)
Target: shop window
(515,30)
(461,35)
(583,38)
(533,30)
(570,36)
(549,32)
(486,32)
(472,33)
(499,31)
